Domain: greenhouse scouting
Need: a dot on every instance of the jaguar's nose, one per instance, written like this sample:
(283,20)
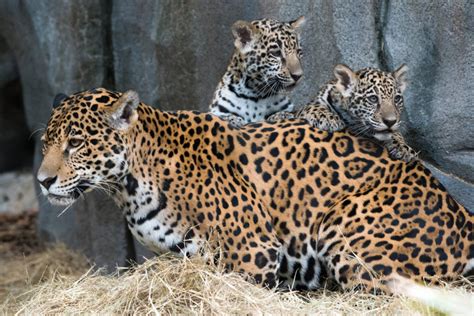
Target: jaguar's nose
(389,122)
(296,77)
(46,183)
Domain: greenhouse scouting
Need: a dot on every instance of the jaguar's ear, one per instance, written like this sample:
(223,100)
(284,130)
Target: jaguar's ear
(123,113)
(400,76)
(298,23)
(346,80)
(60,97)
(245,34)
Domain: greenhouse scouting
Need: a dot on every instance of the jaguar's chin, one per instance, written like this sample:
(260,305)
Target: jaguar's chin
(82,187)
(290,86)
(383,135)
(61,200)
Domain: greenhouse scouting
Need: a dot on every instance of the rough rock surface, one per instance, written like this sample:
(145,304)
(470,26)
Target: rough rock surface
(174,52)
(436,39)
(14,133)
(63,46)
(17,193)
(183,49)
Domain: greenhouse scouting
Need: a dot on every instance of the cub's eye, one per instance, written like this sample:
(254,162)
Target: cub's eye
(275,53)
(373,99)
(398,98)
(75,142)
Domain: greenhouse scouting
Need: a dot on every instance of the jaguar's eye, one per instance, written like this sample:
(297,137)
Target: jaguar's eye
(275,53)
(398,98)
(75,142)
(373,98)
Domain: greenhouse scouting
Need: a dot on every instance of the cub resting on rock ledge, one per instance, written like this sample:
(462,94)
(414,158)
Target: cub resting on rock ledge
(281,199)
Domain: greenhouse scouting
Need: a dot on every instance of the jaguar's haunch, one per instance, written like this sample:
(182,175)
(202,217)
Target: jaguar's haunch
(281,199)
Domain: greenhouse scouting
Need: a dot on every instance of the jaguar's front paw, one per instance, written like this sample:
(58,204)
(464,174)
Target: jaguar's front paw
(402,152)
(279,116)
(336,125)
(326,125)
(236,121)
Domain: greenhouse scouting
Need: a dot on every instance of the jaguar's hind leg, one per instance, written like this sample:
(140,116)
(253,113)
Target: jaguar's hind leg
(351,272)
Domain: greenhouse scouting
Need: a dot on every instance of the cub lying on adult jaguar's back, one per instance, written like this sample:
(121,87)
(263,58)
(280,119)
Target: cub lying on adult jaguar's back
(281,199)
(368,102)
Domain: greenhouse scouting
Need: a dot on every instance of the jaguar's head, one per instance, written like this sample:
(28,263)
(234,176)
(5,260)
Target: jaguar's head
(84,143)
(373,98)
(269,53)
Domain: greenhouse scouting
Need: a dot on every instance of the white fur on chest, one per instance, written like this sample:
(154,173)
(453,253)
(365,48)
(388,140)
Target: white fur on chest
(157,227)
(249,109)
(151,233)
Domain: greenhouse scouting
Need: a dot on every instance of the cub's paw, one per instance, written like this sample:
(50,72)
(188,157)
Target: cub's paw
(235,121)
(326,124)
(402,152)
(336,125)
(279,116)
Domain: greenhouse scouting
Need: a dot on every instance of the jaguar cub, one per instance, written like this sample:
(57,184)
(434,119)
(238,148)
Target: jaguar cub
(368,102)
(265,65)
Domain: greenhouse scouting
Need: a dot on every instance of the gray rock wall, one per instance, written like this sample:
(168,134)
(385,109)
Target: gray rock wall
(63,46)
(436,40)
(174,53)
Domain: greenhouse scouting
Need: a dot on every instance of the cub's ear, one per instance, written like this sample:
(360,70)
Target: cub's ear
(400,76)
(123,113)
(245,34)
(346,79)
(60,97)
(298,23)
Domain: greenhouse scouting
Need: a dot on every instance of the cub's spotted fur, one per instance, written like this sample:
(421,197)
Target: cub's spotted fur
(280,199)
(265,64)
(368,102)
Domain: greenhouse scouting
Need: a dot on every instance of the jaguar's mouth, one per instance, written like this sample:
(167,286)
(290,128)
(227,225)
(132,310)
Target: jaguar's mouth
(67,199)
(382,132)
(290,86)
(83,186)
(383,135)
(60,199)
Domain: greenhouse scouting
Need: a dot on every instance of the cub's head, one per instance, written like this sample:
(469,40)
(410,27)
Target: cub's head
(269,54)
(373,98)
(83,145)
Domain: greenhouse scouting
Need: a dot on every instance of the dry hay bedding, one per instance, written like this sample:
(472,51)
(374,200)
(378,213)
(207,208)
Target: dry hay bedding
(59,281)
(39,280)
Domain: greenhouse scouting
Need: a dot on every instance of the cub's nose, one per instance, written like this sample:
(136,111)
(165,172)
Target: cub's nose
(296,77)
(46,183)
(389,122)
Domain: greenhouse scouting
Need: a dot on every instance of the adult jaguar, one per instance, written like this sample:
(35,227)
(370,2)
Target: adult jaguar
(281,199)
(265,65)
